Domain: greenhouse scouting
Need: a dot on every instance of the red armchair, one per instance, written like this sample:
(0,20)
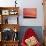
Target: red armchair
(30,34)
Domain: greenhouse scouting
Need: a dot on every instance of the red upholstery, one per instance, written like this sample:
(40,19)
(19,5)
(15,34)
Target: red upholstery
(29,33)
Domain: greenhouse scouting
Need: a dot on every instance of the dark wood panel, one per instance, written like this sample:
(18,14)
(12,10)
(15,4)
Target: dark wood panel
(5,8)
(0,43)
(11,26)
(9,43)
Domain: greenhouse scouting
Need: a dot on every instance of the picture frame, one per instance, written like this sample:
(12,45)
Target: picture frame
(5,12)
(13,20)
(13,12)
(29,12)
(10,19)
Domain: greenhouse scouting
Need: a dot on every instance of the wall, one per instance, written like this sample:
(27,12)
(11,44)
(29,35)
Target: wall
(27,4)
(33,4)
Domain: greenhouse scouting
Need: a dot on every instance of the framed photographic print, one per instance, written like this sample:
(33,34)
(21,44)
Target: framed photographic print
(13,20)
(30,12)
(13,12)
(5,12)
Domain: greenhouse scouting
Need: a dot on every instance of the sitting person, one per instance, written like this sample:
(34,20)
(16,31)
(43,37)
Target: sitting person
(30,38)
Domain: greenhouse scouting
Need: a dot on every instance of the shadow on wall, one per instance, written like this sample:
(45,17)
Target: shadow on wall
(37,29)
